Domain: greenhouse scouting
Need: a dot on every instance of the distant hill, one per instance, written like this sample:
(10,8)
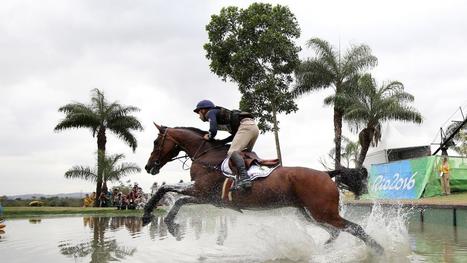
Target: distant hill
(38,196)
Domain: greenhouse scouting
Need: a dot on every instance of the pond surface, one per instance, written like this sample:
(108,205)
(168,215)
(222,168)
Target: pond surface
(209,234)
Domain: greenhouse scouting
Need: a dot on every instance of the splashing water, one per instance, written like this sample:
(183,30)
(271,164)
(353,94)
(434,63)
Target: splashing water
(283,235)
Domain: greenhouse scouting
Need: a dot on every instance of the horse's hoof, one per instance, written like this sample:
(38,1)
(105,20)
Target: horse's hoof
(174,230)
(378,249)
(147,219)
(329,241)
(168,220)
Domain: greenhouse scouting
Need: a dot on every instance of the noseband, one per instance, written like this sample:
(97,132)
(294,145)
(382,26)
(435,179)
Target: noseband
(161,145)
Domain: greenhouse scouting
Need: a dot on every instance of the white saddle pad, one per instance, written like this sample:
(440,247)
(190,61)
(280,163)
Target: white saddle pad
(255,171)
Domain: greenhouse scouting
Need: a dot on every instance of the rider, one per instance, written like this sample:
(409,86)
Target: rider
(243,133)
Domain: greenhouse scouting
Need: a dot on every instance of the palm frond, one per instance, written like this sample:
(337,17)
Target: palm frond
(76,107)
(403,113)
(81,172)
(322,47)
(357,59)
(126,136)
(372,105)
(98,102)
(77,121)
(311,75)
(325,54)
(124,122)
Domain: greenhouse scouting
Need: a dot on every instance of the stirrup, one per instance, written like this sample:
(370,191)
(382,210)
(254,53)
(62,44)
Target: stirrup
(242,185)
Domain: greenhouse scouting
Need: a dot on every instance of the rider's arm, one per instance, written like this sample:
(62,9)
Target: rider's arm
(211,115)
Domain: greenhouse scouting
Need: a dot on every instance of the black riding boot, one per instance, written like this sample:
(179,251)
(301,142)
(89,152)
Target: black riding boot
(242,181)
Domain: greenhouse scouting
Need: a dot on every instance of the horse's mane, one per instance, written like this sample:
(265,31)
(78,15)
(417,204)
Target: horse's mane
(202,133)
(193,129)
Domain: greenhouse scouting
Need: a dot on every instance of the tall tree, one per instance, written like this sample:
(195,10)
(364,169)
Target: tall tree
(349,153)
(111,169)
(328,70)
(100,116)
(371,105)
(459,141)
(254,47)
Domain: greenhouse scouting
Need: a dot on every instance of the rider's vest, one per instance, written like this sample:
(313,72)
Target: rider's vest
(229,120)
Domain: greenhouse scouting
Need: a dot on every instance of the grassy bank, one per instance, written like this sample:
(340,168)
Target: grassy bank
(11,212)
(456,199)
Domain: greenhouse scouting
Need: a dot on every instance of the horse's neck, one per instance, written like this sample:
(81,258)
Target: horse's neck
(191,143)
(195,146)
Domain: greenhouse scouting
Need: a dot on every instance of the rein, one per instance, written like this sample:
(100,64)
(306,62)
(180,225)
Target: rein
(195,157)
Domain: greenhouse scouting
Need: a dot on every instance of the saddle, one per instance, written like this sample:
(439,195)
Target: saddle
(251,158)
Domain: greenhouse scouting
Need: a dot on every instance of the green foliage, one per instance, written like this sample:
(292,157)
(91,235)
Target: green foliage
(328,69)
(460,139)
(370,105)
(112,170)
(254,47)
(349,153)
(100,116)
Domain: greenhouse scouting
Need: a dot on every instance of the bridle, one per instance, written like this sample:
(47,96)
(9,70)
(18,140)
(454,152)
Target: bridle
(161,146)
(195,157)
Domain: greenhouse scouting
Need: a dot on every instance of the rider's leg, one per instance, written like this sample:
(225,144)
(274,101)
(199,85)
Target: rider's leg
(243,178)
(245,138)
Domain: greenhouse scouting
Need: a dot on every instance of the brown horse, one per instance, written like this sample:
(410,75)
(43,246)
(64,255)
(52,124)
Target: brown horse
(311,191)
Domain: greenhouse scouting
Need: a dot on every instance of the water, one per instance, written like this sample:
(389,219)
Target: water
(209,234)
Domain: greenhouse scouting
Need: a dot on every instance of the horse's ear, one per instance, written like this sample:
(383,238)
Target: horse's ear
(158,127)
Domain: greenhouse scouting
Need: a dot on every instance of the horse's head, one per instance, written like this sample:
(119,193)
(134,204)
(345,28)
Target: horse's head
(165,149)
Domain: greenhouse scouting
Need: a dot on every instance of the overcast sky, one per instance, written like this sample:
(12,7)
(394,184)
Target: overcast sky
(149,54)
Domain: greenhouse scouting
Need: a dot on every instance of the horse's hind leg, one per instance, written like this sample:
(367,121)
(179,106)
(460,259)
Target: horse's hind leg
(333,232)
(169,218)
(178,204)
(182,188)
(358,231)
(329,215)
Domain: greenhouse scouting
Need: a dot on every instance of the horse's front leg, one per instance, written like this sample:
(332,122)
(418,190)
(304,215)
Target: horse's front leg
(181,188)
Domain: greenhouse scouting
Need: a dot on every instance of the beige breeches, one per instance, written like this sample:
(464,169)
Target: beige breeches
(245,137)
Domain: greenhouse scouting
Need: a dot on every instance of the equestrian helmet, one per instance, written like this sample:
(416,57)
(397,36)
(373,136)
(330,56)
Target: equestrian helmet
(204,104)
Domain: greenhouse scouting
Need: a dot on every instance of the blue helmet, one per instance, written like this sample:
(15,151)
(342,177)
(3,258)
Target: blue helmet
(204,104)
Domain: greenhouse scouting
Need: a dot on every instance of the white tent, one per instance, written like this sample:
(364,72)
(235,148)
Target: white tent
(393,137)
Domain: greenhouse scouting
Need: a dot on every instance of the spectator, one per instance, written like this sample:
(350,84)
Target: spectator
(103,198)
(1,218)
(124,202)
(87,201)
(93,196)
(444,173)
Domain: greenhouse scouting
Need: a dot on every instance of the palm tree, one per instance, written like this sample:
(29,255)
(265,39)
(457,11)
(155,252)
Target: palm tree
(349,153)
(112,171)
(459,141)
(100,116)
(327,69)
(371,105)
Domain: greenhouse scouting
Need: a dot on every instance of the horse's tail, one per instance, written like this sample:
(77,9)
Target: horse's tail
(352,179)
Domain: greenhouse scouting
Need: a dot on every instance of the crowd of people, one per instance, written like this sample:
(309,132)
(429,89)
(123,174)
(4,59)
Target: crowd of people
(135,199)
